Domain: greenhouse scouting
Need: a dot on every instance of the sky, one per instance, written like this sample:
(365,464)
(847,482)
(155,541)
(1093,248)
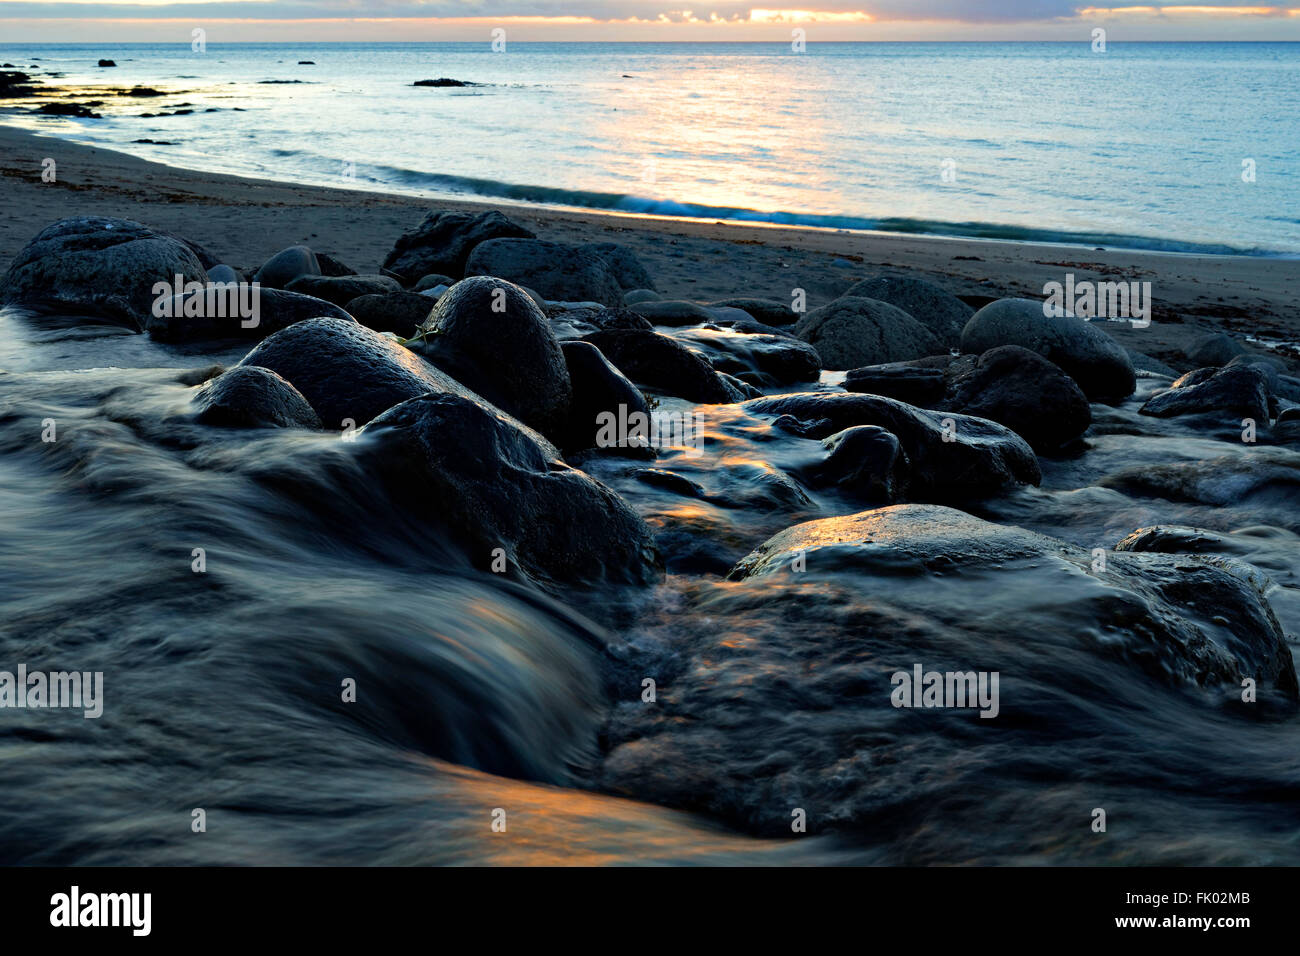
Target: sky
(103,21)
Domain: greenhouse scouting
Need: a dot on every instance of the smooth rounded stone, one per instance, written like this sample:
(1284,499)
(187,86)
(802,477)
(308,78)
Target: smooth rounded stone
(767,311)
(598,388)
(330,266)
(781,359)
(663,364)
(636,296)
(224,273)
(933,306)
(866,462)
(1088,355)
(399,312)
(252,397)
(750,326)
(286,265)
(1175,539)
(669,481)
(914,384)
(559,272)
(573,322)
(673,312)
(349,373)
(952,456)
(623,262)
(432,281)
(1241,390)
(1270,473)
(729,316)
(1018,388)
(1216,349)
(450,461)
(443,241)
(489,335)
(343,289)
(275,310)
(105,268)
(853,332)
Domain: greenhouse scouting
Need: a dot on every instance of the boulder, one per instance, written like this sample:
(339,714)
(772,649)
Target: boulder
(1241,390)
(641,295)
(1215,349)
(330,266)
(224,273)
(432,281)
(443,241)
(866,462)
(106,268)
(343,289)
(1088,355)
(598,387)
(625,265)
(906,381)
(663,364)
(286,265)
(398,312)
(780,359)
(252,397)
(218,314)
(557,271)
(673,312)
(852,332)
(767,311)
(934,307)
(489,335)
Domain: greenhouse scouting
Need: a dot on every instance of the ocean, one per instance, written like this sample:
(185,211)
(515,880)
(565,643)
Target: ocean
(1168,146)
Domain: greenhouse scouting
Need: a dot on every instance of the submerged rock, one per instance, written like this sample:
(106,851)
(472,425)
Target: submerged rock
(934,307)
(557,271)
(443,241)
(106,268)
(782,360)
(1241,390)
(866,462)
(252,397)
(767,311)
(852,332)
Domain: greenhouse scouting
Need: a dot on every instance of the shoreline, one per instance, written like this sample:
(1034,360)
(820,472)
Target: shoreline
(696,259)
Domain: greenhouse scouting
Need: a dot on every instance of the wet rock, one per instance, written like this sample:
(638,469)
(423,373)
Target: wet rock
(673,312)
(450,461)
(767,311)
(432,281)
(852,332)
(934,307)
(1018,388)
(866,462)
(330,266)
(220,314)
(952,456)
(598,388)
(343,289)
(252,397)
(489,335)
(1215,349)
(399,312)
(106,268)
(1262,472)
(914,384)
(780,359)
(286,265)
(623,262)
(443,241)
(1088,355)
(107,63)
(1241,390)
(662,364)
(573,322)
(557,271)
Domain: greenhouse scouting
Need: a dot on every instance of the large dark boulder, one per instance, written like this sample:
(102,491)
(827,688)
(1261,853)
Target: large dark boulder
(251,397)
(852,332)
(664,365)
(598,388)
(444,240)
(105,268)
(623,262)
(934,307)
(398,312)
(1241,390)
(343,289)
(554,270)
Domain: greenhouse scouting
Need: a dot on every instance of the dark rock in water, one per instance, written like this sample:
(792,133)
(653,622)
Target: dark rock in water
(850,333)
(656,361)
(491,336)
(1172,539)
(252,397)
(1215,349)
(1088,355)
(559,272)
(1241,390)
(1269,473)
(673,312)
(1145,363)
(329,266)
(914,384)
(934,307)
(742,387)
(573,322)
(443,81)
(669,481)
(866,462)
(443,241)
(349,373)
(286,265)
(398,312)
(67,109)
(452,462)
(636,296)
(432,281)
(107,63)
(224,273)
(343,289)
(767,311)
(783,360)
(623,262)
(1018,388)
(306,62)
(952,456)
(217,314)
(598,388)
(1272,369)
(96,266)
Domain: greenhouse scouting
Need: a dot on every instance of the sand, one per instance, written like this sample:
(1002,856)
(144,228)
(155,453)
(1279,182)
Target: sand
(244,221)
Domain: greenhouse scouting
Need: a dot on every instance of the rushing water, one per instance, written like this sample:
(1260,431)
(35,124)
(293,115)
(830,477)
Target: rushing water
(1142,145)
